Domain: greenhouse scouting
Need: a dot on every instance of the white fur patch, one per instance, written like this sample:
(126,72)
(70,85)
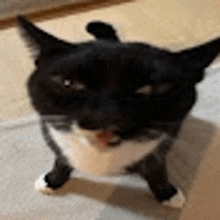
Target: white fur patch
(85,153)
(41,185)
(177,201)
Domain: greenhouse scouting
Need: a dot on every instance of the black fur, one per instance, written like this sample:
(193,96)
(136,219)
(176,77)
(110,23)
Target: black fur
(102,31)
(59,174)
(111,73)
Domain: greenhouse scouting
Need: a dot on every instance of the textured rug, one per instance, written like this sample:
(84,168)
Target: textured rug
(24,157)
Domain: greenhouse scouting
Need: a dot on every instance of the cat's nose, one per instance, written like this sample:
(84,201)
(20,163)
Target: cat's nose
(112,128)
(89,124)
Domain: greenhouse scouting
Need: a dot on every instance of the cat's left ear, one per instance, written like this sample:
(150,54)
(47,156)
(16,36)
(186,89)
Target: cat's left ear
(102,31)
(200,57)
(42,43)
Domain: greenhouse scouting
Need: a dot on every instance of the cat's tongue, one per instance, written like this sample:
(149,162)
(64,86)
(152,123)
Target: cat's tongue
(104,137)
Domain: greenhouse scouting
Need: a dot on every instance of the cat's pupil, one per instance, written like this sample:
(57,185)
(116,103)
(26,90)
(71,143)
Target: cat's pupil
(67,83)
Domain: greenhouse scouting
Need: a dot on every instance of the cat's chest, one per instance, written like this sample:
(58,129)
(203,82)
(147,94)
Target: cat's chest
(92,157)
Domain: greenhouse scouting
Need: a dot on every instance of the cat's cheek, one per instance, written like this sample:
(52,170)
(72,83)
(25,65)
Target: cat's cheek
(42,186)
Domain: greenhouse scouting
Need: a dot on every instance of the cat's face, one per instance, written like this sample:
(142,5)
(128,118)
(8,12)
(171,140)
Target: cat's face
(102,84)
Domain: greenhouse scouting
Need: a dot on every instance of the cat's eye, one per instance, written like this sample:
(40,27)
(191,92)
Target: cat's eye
(145,90)
(73,85)
(153,89)
(162,88)
(67,83)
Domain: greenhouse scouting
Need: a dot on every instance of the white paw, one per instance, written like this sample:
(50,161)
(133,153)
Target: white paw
(41,185)
(177,201)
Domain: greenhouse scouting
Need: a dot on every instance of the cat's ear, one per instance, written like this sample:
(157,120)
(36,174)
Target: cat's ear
(102,31)
(188,64)
(195,60)
(41,42)
(201,56)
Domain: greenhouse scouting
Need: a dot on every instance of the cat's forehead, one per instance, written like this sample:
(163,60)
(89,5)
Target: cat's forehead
(100,60)
(100,54)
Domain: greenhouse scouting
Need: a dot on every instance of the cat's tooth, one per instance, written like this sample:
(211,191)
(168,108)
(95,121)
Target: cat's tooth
(114,139)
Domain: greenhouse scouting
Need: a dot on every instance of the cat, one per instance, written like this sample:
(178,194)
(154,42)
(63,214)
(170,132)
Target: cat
(137,93)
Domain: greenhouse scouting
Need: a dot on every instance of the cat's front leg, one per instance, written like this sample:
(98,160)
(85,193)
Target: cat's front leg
(153,170)
(56,178)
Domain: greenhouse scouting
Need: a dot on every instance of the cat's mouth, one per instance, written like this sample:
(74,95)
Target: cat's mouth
(113,136)
(104,136)
(108,138)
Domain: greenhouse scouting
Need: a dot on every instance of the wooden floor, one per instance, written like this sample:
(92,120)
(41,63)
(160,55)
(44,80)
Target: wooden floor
(172,23)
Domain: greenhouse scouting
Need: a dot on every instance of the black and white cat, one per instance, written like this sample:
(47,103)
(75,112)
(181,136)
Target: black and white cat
(137,93)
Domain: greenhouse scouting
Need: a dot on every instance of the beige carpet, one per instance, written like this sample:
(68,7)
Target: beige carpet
(25,157)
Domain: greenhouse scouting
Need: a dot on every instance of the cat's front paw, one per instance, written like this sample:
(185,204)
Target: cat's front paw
(42,185)
(167,194)
(176,201)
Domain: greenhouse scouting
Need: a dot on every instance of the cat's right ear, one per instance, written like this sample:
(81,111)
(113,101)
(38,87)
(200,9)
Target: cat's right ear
(41,43)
